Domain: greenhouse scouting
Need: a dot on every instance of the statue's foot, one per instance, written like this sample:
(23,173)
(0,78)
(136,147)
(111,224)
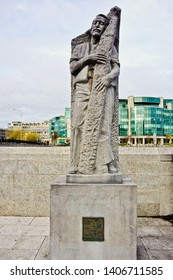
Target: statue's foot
(111,168)
(73,170)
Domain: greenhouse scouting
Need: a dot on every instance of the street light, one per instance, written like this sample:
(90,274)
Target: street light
(21,122)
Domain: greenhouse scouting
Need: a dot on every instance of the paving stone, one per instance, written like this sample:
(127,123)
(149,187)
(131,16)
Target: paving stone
(37,230)
(143,221)
(8,242)
(158,243)
(24,230)
(160,254)
(168,231)
(9,220)
(27,238)
(142,253)
(12,229)
(43,253)
(29,242)
(148,231)
(41,221)
(4,254)
(21,254)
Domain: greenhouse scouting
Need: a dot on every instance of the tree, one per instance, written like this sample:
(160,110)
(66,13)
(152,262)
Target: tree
(168,138)
(18,134)
(14,134)
(54,137)
(32,136)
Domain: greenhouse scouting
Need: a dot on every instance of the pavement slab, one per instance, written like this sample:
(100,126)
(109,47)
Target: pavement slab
(43,253)
(148,231)
(40,221)
(24,230)
(8,241)
(27,238)
(10,220)
(20,254)
(29,242)
(158,243)
(160,254)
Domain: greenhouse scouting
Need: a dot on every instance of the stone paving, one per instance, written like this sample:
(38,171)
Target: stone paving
(27,238)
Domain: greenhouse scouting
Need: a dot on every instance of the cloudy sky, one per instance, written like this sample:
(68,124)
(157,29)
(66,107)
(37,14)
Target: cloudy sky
(35,42)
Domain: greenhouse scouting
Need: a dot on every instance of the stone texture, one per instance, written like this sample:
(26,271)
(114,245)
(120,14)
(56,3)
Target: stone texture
(148,231)
(8,242)
(143,253)
(160,254)
(15,220)
(40,221)
(29,242)
(94,179)
(159,243)
(43,253)
(24,230)
(94,130)
(27,194)
(18,254)
(116,203)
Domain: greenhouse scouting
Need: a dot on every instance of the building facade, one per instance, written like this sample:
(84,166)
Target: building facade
(60,126)
(41,128)
(145,120)
(2,133)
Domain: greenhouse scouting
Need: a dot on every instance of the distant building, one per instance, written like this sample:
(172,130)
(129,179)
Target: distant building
(61,125)
(145,120)
(2,133)
(41,128)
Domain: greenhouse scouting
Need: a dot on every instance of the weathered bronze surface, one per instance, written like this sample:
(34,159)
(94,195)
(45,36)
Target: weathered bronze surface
(93,229)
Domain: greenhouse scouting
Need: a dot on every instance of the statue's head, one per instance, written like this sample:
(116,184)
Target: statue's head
(98,25)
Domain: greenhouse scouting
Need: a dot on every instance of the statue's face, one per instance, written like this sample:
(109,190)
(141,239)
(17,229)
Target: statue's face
(98,26)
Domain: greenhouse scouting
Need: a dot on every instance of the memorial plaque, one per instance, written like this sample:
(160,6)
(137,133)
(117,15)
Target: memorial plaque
(93,229)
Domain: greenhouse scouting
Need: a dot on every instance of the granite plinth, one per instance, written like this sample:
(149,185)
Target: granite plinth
(95,179)
(71,206)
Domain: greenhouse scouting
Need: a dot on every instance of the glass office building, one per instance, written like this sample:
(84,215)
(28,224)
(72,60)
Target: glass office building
(61,125)
(145,118)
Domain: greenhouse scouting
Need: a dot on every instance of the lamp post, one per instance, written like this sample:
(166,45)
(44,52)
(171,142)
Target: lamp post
(21,122)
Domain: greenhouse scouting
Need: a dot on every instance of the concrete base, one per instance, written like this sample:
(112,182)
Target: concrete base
(95,179)
(113,203)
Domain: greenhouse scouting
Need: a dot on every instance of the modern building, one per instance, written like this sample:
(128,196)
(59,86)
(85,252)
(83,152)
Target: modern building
(145,120)
(61,126)
(41,128)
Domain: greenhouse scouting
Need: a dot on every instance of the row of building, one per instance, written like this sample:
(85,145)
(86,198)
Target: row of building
(142,120)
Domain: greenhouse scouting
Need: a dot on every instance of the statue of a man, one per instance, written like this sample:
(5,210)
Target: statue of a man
(85,56)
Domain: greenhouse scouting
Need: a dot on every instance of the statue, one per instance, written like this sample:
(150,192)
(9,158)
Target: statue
(95,67)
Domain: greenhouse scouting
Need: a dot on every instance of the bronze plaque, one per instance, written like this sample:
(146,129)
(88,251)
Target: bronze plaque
(93,229)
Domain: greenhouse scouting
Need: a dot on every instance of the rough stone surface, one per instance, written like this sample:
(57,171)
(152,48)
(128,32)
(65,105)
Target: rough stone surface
(116,203)
(28,194)
(95,68)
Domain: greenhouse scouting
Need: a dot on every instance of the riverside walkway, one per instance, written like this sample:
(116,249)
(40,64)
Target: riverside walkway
(27,238)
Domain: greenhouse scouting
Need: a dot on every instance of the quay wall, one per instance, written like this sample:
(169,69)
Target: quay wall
(26,174)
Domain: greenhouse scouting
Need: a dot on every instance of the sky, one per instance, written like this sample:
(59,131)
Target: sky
(35,47)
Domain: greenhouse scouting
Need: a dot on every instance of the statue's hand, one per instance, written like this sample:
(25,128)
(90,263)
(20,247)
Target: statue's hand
(96,58)
(103,82)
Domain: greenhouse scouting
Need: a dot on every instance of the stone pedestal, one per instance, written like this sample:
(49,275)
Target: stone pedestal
(93,221)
